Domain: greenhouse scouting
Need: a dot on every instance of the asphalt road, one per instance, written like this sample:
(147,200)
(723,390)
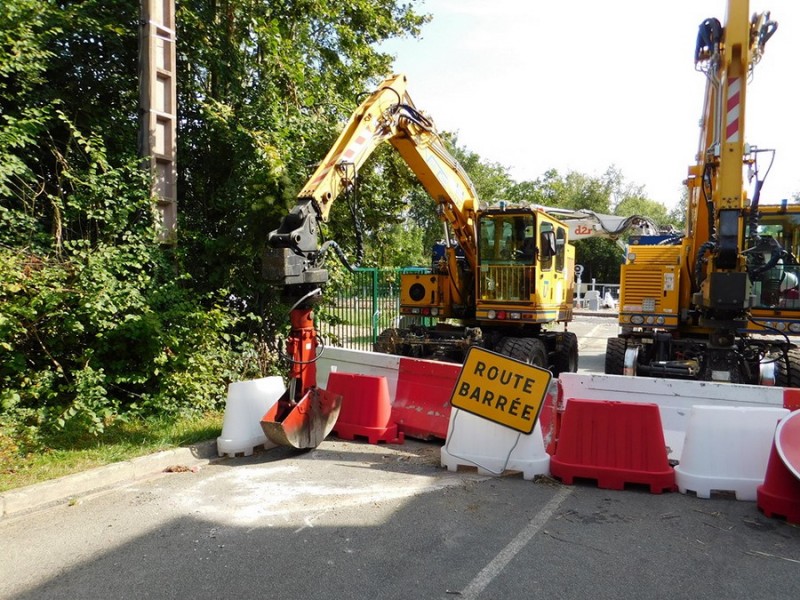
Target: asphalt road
(593,332)
(353,520)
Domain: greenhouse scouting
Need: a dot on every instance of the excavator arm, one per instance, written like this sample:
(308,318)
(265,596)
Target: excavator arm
(295,259)
(727,55)
(587,223)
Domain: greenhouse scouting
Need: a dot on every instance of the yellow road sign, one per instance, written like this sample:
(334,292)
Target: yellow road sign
(501,389)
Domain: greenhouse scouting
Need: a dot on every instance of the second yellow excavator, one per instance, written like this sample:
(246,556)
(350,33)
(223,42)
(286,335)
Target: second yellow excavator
(722,303)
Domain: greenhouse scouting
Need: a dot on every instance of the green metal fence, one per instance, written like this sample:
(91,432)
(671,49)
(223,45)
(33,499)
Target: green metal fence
(366,304)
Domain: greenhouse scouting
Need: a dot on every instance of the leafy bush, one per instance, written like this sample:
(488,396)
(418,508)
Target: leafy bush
(100,323)
(87,338)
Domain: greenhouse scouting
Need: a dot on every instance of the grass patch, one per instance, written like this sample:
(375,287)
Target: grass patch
(27,460)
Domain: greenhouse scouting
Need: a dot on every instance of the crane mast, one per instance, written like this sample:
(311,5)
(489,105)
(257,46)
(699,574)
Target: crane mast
(727,57)
(721,302)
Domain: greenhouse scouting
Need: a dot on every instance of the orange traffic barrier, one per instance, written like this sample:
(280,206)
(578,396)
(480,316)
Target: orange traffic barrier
(366,408)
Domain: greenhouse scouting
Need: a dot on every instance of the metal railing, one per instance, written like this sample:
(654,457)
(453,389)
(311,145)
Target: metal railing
(365,303)
(506,282)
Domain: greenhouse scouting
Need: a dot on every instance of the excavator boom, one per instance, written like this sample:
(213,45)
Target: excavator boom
(387,115)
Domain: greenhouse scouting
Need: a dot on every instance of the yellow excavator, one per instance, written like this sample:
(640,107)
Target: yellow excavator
(719,303)
(502,275)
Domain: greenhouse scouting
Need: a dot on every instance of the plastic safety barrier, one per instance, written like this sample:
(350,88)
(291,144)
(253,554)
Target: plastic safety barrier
(246,403)
(493,449)
(366,410)
(726,450)
(358,361)
(613,443)
(421,405)
(419,390)
(779,495)
(675,398)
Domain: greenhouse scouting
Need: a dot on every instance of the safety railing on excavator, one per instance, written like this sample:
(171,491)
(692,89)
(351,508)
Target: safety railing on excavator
(506,283)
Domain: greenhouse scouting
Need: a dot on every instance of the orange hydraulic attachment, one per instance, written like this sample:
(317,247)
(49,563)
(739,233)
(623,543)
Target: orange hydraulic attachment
(305,414)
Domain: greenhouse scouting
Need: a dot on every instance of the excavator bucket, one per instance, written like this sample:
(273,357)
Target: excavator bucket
(304,424)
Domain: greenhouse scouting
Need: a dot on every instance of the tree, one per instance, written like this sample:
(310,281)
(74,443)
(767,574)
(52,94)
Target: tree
(60,63)
(637,205)
(264,88)
(95,320)
(385,216)
(492,180)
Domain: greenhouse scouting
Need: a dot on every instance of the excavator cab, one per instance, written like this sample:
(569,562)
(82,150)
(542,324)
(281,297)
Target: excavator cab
(776,285)
(525,263)
(507,252)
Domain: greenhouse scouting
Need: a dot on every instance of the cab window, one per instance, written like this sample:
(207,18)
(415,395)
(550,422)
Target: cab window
(561,244)
(547,245)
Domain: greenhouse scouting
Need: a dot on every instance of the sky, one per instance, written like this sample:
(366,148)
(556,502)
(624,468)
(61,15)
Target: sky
(581,85)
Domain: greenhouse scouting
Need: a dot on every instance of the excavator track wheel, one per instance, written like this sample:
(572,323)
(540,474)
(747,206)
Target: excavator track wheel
(531,351)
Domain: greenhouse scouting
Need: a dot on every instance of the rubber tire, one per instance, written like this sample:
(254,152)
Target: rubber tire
(531,351)
(565,360)
(615,356)
(789,377)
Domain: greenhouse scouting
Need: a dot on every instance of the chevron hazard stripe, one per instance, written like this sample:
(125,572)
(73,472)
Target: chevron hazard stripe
(733,110)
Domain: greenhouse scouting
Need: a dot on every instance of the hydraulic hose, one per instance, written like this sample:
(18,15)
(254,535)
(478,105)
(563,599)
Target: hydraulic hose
(709,246)
(709,37)
(339,253)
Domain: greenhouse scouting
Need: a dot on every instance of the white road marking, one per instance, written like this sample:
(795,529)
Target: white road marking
(493,569)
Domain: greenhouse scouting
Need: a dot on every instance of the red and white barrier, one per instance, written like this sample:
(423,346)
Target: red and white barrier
(358,361)
(419,390)
(675,398)
(779,495)
(366,410)
(710,460)
(613,443)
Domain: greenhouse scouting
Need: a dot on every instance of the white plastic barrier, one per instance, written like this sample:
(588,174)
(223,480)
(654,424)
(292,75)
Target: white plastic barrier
(726,450)
(246,403)
(675,398)
(476,442)
(592,300)
(360,362)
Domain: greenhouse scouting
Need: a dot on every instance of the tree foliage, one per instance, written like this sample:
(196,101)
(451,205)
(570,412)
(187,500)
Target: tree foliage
(96,321)
(264,87)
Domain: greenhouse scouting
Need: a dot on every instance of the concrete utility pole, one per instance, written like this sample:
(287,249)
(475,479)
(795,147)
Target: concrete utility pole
(158,110)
